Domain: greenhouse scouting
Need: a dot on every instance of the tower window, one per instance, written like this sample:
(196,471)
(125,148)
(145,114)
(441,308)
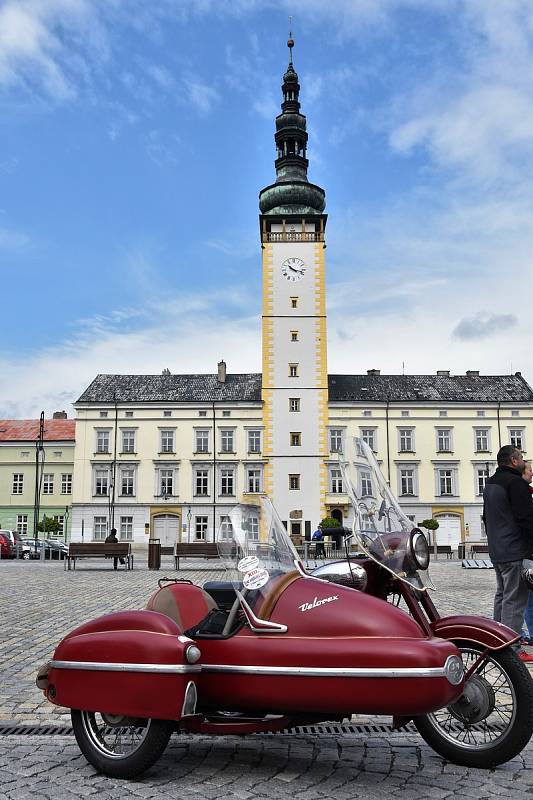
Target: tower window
(294,336)
(294,403)
(293,370)
(296,439)
(294,302)
(294,481)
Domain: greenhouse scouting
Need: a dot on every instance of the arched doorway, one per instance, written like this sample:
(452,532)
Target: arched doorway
(166,529)
(337,514)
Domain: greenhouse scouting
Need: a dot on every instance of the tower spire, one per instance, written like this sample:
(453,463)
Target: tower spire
(292,193)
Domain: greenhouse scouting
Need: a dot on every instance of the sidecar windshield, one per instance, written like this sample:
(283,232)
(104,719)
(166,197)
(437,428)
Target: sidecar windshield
(381,528)
(256,550)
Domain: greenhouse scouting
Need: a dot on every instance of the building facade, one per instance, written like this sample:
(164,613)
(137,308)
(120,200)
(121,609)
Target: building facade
(170,455)
(18,473)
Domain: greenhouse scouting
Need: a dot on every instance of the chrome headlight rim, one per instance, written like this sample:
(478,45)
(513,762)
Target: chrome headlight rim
(421,560)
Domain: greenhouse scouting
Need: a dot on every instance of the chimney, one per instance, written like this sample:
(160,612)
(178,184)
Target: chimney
(222,372)
(166,371)
(445,373)
(59,415)
(373,372)
(472,373)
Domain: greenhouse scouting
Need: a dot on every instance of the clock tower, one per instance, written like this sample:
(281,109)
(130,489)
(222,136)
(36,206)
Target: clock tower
(295,377)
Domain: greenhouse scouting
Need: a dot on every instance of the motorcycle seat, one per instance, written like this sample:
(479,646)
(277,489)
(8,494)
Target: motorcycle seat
(184,603)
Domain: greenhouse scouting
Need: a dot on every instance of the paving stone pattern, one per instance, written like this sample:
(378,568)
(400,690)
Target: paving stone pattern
(41,603)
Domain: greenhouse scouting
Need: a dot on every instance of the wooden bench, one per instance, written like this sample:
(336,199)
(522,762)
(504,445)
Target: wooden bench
(444,549)
(479,548)
(99,550)
(193,550)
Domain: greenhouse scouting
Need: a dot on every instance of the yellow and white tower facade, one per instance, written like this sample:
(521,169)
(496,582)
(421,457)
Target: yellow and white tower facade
(295,378)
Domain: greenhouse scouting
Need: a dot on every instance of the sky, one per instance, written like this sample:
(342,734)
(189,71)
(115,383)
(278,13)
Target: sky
(136,135)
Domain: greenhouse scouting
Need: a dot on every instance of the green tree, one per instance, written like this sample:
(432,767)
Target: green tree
(49,525)
(330,522)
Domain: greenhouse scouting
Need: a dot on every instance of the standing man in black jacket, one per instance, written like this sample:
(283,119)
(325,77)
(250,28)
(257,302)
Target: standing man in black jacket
(508,517)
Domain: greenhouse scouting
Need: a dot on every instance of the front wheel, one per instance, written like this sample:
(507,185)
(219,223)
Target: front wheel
(121,747)
(492,721)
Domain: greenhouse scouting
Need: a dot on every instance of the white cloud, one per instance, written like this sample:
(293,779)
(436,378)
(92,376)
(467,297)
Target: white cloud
(201,95)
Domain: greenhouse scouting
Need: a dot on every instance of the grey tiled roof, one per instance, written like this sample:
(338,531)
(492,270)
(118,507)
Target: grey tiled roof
(342,388)
(436,388)
(172,388)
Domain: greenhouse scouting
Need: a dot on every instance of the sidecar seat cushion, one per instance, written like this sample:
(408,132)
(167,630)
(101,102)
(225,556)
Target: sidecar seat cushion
(184,603)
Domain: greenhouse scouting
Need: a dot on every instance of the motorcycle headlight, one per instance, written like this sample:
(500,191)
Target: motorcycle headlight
(419,549)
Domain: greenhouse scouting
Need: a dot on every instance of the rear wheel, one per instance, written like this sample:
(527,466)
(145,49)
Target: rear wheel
(118,746)
(492,721)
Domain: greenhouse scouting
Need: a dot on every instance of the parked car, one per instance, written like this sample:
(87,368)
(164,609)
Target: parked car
(52,548)
(6,547)
(16,547)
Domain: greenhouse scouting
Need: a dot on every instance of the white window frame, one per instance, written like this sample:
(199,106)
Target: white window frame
(294,405)
(128,440)
(227,440)
(335,481)
(514,438)
(99,528)
(404,434)
(48,483)
(480,433)
(102,440)
(201,474)
(453,477)
(125,481)
(66,483)
(166,476)
(336,440)
(200,527)
(167,440)
(365,481)
(227,486)
(370,437)
(254,441)
(101,475)
(253,528)
(480,479)
(444,440)
(201,440)
(295,478)
(125,532)
(254,476)
(61,519)
(404,479)
(22,524)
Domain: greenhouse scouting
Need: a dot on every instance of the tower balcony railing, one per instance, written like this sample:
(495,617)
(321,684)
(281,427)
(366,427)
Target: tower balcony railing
(293,236)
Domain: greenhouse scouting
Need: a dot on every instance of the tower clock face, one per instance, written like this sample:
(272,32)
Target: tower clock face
(293,268)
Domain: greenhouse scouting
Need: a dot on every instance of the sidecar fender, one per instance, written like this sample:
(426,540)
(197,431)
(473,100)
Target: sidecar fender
(132,663)
(485,632)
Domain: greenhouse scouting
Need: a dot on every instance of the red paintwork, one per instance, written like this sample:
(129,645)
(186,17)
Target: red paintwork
(193,602)
(484,631)
(140,637)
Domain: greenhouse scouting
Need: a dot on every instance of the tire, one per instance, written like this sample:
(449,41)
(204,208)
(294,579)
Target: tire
(120,747)
(497,721)
(26,555)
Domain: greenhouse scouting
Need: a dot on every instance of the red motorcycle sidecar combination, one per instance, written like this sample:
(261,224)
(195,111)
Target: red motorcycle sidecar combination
(272,647)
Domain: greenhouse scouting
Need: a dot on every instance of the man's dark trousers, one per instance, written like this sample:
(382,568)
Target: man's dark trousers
(511,595)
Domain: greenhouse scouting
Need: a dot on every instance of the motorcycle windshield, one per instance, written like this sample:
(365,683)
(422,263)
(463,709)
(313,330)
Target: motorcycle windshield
(381,528)
(256,551)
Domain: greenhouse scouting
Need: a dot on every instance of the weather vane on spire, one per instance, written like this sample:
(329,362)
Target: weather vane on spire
(290,40)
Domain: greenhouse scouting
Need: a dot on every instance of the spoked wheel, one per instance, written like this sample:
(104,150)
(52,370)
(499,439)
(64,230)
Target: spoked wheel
(121,747)
(492,721)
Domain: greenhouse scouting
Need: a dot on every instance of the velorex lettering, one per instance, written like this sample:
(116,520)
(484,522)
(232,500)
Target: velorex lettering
(316,602)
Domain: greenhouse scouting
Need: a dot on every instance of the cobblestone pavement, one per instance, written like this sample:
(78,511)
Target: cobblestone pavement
(41,603)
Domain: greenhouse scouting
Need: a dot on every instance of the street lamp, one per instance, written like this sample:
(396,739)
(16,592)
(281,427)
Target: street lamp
(189,517)
(65,524)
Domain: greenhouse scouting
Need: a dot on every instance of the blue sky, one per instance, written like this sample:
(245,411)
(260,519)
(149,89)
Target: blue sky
(136,135)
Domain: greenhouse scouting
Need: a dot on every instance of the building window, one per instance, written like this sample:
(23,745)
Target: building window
(366,484)
(226,413)
(335,440)
(48,483)
(482,440)
(369,435)
(227,440)
(201,482)
(445,481)
(102,441)
(126,528)
(127,486)
(22,524)
(227,482)
(66,483)
(60,518)
(444,440)
(99,528)
(367,413)
(200,528)
(293,370)
(103,413)
(167,413)
(443,413)
(226,529)
(407,440)
(254,441)
(128,441)
(294,481)
(128,413)
(201,441)
(407,481)
(166,482)
(167,441)
(480,413)
(253,477)
(202,413)
(294,302)
(101,482)
(295,438)
(253,529)
(336,481)
(294,336)
(515,413)
(482,475)
(294,403)
(516,438)
(57,453)
(405,413)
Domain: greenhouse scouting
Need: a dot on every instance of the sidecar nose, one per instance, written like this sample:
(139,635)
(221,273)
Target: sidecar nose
(42,677)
